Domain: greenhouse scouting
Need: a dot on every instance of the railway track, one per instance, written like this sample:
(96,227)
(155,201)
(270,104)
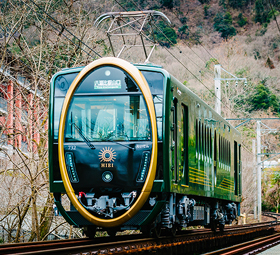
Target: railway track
(188,241)
(252,247)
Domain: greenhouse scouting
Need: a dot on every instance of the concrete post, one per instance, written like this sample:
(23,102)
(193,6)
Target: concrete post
(254,177)
(217,72)
(259,172)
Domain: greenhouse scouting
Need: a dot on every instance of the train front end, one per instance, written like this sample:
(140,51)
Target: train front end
(106,141)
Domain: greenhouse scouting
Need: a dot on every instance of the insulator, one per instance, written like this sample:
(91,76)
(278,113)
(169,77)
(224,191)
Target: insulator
(236,83)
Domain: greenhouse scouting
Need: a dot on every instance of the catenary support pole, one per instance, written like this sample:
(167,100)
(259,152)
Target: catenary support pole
(259,173)
(217,71)
(254,177)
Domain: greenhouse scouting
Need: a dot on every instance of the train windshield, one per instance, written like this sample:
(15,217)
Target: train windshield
(103,118)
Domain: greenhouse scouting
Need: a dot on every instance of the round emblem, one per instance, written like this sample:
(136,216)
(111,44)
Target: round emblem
(107,154)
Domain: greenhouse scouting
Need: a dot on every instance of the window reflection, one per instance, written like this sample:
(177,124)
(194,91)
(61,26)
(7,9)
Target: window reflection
(102,118)
(158,101)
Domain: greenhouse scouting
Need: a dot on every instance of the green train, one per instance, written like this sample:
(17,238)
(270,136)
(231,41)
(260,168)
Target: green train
(133,148)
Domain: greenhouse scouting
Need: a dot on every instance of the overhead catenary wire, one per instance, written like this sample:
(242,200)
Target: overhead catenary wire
(183,63)
(61,31)
(244,146)
(135,4)
(186,28)
(269,2)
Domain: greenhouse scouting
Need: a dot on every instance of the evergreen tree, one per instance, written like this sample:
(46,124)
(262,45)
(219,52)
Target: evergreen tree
(263,98)
(238,3)
(223,24)
(165,35)
(241,20)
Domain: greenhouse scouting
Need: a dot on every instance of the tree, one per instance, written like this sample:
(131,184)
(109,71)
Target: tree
(32,50)
(271,194)
(165,34)
(262,99)
(241,20)
(238,3)
(223,24)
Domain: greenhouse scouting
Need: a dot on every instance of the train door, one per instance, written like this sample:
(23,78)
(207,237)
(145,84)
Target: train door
(174,140)
(235,169)
(184,139)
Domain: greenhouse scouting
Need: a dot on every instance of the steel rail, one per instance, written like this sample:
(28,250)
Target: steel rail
(247,246)
(132,243)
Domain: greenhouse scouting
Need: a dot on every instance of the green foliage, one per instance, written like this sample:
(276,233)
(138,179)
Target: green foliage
(238,3)
(222,3)
(263,12)
(241,20)
(223,24)
(211,62)
(167,3)
(262,99)
(262,31)
(165,34)
(271,191)
(183,20)
(242,72)
(182,31)
(276,179)
(206,8)
(204,1)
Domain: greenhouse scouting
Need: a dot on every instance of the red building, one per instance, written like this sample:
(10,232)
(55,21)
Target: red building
(23,116)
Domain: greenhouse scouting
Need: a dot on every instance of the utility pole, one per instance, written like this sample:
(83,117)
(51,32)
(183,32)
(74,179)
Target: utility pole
(217,74)
(259,170)
(254,174)
(217,71)
(265,130)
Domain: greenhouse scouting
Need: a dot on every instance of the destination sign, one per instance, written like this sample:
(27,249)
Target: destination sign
(107,84)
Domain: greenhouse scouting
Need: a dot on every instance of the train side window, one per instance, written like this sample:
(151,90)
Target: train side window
(215,157)
(226,153)
(196,138)
(199,140)
(155,81)
(223,151)
(202,141)
(184,143)
(205,142)
(229,153)
(211,149)
(235,169)
(208,141)
(158,102)
(219,150)
(175,140)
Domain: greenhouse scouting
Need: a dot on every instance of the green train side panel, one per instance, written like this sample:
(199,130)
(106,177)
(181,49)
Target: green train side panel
(200,172)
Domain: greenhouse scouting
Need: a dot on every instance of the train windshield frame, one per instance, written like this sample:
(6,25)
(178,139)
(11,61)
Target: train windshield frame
(108,118)
(154,79)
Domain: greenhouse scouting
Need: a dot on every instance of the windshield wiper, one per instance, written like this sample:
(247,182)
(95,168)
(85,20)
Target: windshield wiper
(121,144)
(87,141)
